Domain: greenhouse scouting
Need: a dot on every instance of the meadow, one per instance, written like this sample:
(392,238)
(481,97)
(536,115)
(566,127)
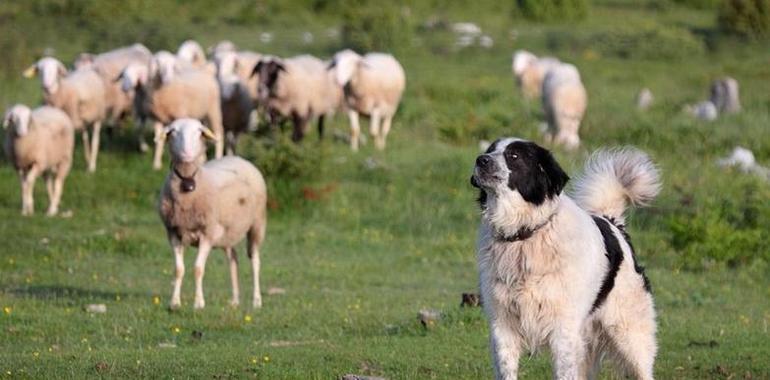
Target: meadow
(358,243)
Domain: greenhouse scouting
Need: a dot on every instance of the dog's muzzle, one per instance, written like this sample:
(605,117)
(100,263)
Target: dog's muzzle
(485,170)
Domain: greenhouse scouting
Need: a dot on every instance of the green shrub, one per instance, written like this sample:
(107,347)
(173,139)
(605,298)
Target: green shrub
(746,18)
(552,10)
(646,41)
(373,25)
(697,4)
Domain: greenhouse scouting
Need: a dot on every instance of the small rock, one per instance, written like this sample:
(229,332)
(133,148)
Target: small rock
(101,367)
(274,291)
(66,214)
(428,317)
(486,41)
(741,158)
(96,308)
(644,99)
(724,95)
(166,345)
(467,28)
(705,110)
(471,300)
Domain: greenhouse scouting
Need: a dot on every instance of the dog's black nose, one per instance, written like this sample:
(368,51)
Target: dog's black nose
(483,160)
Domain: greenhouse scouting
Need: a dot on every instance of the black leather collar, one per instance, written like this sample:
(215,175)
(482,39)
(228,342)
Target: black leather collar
(523,233)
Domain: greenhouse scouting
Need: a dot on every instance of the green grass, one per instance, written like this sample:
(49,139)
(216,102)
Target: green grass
(384,242)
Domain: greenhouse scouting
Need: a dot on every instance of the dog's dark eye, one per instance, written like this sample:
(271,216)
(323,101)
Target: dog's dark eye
(513,156)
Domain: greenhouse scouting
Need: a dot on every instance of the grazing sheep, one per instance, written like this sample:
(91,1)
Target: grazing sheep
(188,93)
(211,205)
(299,88)
(530,71)
(238,104)
(725,95)
(80,94)
(564,102)
(373,85)
(39,142)
(109,65)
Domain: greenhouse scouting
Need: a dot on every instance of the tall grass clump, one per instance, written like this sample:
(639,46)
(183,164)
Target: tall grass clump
(745,18)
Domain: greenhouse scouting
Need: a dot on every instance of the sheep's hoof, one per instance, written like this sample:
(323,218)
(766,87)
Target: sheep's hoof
(235,303)
(51,213)
(199,304)
(26,213)
(257,303)
(174,307)
(143,147)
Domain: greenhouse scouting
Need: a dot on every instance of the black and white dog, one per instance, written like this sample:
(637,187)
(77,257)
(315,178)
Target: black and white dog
(558,271)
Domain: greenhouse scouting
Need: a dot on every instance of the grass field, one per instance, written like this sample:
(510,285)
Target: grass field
(361,242)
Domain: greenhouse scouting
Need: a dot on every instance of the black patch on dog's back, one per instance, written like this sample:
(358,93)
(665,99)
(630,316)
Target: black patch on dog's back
(614,254)
(638,268)
(535,174)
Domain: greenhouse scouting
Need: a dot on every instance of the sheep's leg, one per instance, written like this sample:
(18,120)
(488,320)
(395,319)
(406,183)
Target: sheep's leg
(27,190)
(176,297)
(215,121)
(355,129)
(94,146)
(48,185)
(299,127)
(231,142)
(160,140)
(139,129)
(255,237)
(58,186)
(86,145)
(374,128)
(232,257)
(385,129)
(204,248)
(321,127)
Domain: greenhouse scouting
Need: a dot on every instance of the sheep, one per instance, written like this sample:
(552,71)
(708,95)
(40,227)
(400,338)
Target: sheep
(221,47)
(109,65)
(236,89)
(211,205)
(191,51)
(564,103)
(299,88)
(188,93)
(80,94)
(39,142)
(530,71)
(373,85)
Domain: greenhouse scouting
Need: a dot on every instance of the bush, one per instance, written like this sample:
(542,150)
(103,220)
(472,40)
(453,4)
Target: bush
(697,4)
(646,41)
(746,18)
(373,25)
(552,10)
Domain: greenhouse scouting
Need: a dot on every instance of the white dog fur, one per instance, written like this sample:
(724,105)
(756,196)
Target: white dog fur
(559,272)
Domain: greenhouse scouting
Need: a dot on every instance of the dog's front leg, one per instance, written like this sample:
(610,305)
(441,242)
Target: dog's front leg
(506,349)
(568,352)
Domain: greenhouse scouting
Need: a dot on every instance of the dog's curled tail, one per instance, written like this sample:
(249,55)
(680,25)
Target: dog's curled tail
(616,178)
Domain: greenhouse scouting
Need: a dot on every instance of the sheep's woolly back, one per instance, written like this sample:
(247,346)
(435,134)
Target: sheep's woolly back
(615,178)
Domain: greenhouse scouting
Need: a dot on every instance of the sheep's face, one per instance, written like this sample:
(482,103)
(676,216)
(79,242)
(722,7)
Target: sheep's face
(50,71)
(345,64)
(229,86)
(164,65)
(187,139)
(227,63)
(133,76)
(268,71)
(521,61)
(18,118)
(190,51)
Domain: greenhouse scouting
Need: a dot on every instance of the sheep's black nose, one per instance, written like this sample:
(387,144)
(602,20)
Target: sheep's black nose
(483,161)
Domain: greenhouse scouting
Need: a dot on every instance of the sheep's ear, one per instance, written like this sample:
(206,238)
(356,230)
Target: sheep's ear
(256,69)
(30,72)
(209,134)
(62,69)
(280,67)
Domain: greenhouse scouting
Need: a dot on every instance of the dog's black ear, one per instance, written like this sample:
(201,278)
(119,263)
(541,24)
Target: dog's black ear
(256,69)
(555,177)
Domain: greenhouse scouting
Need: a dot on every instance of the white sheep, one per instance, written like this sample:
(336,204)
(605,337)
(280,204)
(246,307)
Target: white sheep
(167,96)
(80,94)
(564,103)
(39,142)
(109,65)
(192,52)
(725,95)
(221,47)
(299,88)
(211,205)
(373,85)
(530,71)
